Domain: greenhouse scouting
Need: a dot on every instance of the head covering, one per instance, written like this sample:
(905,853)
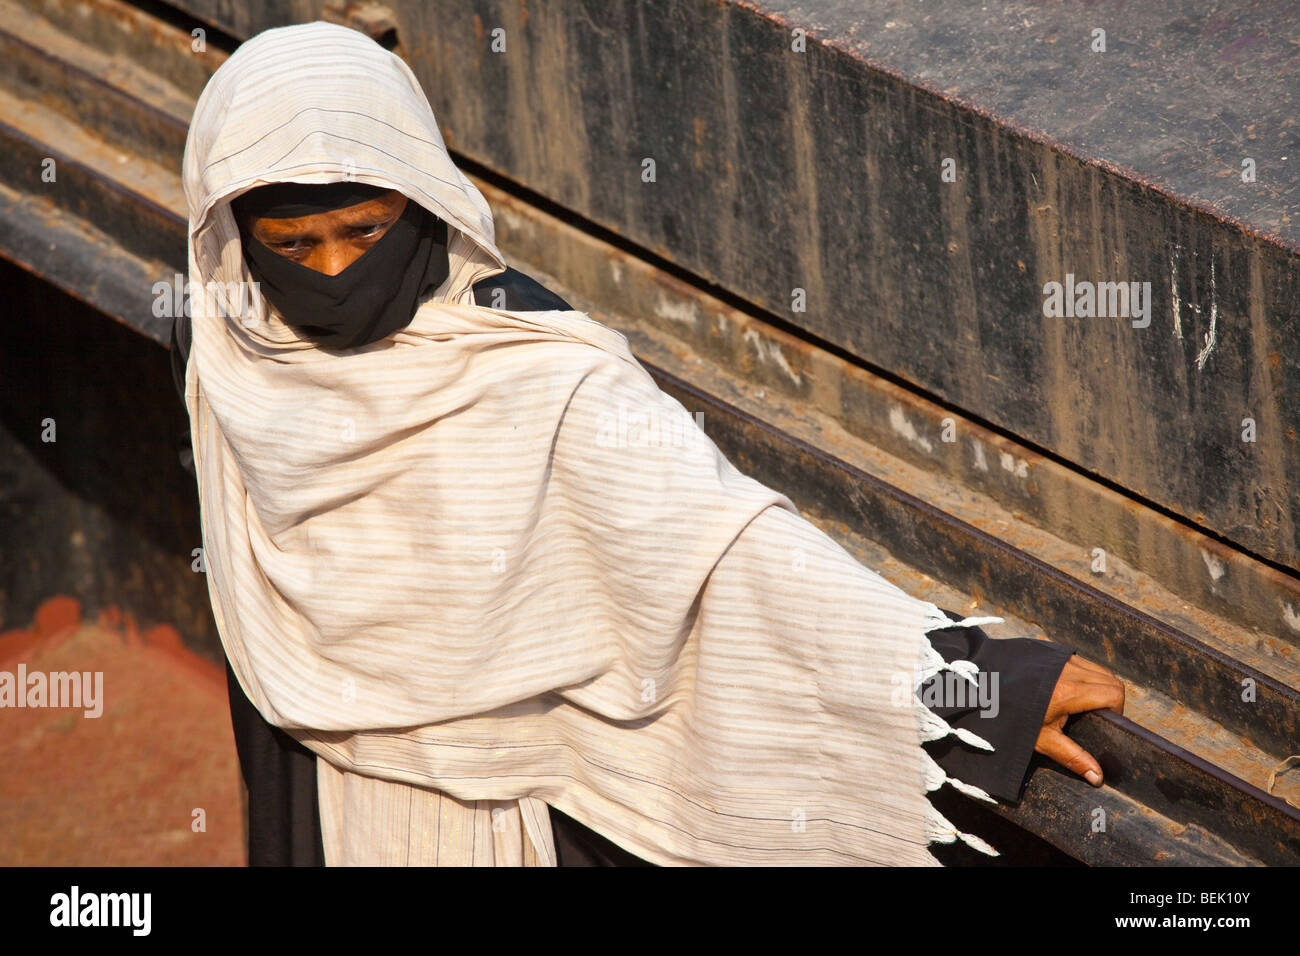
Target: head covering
(486,564)
(376,295)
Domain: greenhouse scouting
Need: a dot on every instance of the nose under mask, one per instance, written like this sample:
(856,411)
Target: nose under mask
(375,295)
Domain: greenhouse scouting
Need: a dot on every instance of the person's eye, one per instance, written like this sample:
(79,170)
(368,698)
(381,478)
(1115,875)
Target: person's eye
(370,232)
(289,248)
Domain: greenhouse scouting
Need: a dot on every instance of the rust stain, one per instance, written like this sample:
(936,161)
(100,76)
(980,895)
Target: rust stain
(698,128)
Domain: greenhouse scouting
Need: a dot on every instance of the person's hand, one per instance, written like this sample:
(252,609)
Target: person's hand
(1082,686)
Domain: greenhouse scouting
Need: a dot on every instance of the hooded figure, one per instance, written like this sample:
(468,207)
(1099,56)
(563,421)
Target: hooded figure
(481,566)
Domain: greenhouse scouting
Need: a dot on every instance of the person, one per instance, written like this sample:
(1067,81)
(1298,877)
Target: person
(338,199)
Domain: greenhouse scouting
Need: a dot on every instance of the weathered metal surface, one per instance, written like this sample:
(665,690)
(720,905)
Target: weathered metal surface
(153,35)
(117,100)
(1181,94)
(86,186)
(820,171)
(796,377)
(82,261)
(1108,827)
(1205,804)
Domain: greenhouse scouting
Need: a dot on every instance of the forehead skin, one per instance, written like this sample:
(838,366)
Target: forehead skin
(323,225)
(330,241)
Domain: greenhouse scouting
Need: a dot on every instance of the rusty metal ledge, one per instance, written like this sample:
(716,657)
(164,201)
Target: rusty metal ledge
(80,259)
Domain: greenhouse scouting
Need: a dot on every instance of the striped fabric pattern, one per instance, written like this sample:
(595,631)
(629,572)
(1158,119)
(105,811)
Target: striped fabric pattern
(486,565)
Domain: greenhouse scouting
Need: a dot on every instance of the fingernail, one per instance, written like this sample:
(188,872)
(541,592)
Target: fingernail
(1093,777)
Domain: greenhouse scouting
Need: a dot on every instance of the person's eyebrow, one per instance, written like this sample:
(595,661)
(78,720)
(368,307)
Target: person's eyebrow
(284,234)
(377,215)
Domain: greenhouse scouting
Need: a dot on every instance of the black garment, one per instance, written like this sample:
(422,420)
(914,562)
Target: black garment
(372,298)
(1027,671)
(295,200)
(280,773)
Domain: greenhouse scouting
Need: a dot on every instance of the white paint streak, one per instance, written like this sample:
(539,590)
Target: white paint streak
(900,423)
(778,356)
(1014,465)
(1212,336)
(682,312)
(768,351)
(980,461)
(1290,616)
(1214,565)
(1173,291)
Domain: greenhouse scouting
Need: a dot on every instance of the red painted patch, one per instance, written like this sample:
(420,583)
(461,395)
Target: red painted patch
(58,616)
(17,645)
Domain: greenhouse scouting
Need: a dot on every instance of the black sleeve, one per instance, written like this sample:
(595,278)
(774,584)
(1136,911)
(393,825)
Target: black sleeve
(515,292)
(1026,672)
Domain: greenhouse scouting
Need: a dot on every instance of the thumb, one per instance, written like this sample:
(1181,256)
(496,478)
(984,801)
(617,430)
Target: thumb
(1054,744)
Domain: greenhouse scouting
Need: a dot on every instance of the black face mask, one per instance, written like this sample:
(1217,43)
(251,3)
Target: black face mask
(374,296)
